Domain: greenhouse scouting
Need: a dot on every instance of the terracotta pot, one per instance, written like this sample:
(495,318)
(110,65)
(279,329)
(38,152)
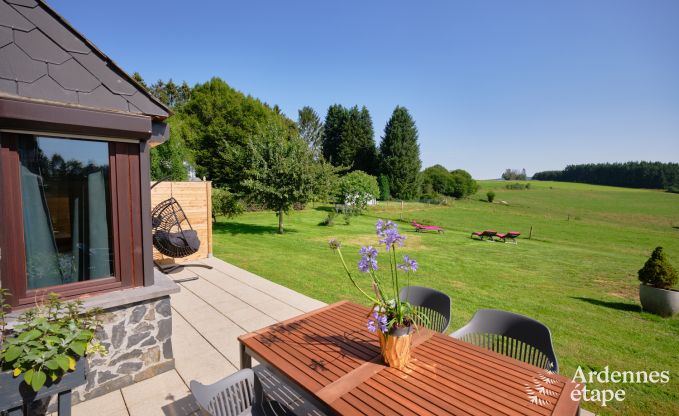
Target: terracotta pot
(395,346)
(663,302)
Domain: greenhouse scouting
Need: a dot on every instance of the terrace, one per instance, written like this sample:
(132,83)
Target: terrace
(208,316)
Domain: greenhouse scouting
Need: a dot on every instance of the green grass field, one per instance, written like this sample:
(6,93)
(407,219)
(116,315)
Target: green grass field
(577,274)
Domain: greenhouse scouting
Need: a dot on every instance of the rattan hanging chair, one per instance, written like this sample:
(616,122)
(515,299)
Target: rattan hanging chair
(173,235)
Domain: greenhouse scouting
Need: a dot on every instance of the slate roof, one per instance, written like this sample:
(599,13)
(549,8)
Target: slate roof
(43,57)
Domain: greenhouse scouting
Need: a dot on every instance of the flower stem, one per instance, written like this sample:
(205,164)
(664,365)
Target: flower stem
(372,299)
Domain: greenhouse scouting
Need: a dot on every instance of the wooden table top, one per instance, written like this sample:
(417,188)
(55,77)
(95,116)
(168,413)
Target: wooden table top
(330,353)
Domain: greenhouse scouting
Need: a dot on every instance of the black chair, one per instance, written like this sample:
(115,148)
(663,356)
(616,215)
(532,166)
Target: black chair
(434,305)
(511,334)
(172,234)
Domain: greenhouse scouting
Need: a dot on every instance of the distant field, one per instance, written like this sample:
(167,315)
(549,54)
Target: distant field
(577,274)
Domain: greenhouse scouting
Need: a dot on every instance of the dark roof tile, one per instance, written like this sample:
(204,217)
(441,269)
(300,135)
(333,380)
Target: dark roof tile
(40,47)
(47,89)
(134,109)
(72,76)
(27,3)
(101,97)
(10,18)
(8,86)
(54,29)
(5,36)
(16,65)
(143,103)
(106,75)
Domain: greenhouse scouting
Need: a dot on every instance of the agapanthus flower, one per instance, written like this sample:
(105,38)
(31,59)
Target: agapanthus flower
(408,265)
(389,233)
(334,244)
(377,321)
(368,259)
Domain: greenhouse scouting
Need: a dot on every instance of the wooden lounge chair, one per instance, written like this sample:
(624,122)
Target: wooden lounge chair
(489,234)
(420,227)
(511,235)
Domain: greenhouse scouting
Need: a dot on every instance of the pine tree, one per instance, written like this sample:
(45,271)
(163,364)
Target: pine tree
(400,154)
(365,158)
(311,130)
(332,133)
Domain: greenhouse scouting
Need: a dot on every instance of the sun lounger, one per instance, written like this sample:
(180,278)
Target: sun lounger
(489,234)
(420,227)
(511,235)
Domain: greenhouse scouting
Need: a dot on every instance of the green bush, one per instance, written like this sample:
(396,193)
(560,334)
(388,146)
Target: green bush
(658,272)
(490,195)
(225,203)
(357,189)
(329,221)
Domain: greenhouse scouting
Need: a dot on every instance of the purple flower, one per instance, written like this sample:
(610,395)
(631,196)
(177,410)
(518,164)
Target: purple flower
(409,265)
(377,320)
(389,233)
(368,259)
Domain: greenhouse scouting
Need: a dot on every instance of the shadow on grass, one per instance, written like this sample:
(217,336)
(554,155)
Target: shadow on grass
(621,306)
(235,228)
(324,208)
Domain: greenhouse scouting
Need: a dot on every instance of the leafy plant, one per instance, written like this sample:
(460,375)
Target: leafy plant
(225,203)
(389,312)
(4,308)
(357,189)
(49,340)
(329,221)
(658,272)
(490,195)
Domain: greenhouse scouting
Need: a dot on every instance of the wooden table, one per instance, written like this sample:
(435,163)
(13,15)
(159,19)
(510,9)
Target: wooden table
(332,356)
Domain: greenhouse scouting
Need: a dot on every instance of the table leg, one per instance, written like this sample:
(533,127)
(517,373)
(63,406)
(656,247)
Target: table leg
(64,403)
(245,359)
(17,411)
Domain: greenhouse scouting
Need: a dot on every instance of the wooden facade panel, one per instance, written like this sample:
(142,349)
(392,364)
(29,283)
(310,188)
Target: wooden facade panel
(195,199)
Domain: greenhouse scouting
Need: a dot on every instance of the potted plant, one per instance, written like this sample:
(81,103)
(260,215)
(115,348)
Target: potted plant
(44,353)
(657,278)
(392,319)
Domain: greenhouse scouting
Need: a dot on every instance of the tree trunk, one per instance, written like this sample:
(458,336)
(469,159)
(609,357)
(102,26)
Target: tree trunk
(280,222)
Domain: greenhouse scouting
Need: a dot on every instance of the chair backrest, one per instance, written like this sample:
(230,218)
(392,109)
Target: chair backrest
(489,233)
(511,334)
(232,396)
(433,304)
(169,216)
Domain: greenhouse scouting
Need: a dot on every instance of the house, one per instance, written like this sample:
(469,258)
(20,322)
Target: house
(75,136)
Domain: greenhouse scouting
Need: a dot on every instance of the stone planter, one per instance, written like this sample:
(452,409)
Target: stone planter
(395,346)
(14,393)
(663,302)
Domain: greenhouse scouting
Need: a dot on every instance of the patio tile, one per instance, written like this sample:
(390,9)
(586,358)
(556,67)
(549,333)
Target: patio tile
(111,404)
(163,395)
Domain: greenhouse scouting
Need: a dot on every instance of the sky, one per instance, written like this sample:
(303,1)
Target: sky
(491,84)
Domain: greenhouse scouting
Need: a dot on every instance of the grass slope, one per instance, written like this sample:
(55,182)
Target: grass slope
(577,274)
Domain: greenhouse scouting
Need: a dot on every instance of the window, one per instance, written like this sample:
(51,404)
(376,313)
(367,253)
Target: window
(65,193)
(70,216)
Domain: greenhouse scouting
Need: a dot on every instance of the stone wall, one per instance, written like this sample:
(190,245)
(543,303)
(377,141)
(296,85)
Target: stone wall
(138,338)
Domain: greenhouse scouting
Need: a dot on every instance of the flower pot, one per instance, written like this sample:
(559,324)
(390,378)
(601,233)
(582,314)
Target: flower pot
(395,346)
(14,392)
(663,302)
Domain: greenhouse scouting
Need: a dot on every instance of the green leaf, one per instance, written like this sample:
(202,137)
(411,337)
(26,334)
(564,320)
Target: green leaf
(28,376)
(52,364)
(62,361)
(78,348)
(12,353)
(38,380)
(30,335)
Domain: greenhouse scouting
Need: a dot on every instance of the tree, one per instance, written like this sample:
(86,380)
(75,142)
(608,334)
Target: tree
(357,188)
(464,184)
(365,156)
(311,130)
(279,172)
(514,175)
(332,133)
(437,180)
(137,77)
(326,179)
(400,154)
(658,272)
(168,159)
(385,192)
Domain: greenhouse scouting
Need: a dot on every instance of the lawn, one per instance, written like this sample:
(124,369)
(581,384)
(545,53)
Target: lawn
(577,274)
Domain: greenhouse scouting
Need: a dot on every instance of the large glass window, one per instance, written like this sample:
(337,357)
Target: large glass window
(66,204)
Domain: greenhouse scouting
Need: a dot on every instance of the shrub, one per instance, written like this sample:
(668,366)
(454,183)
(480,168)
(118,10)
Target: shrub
(490,195)
(658,272)
(385,192)
(357,189)
(329,221)
(225,203)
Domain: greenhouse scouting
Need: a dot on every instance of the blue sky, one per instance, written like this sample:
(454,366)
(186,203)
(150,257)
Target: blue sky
(491,84)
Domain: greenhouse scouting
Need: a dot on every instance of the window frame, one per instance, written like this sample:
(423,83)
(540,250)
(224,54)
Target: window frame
(126,224)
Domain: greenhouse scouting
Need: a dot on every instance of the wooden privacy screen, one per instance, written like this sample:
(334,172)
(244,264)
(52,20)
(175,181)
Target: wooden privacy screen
(196,201)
